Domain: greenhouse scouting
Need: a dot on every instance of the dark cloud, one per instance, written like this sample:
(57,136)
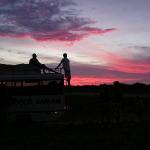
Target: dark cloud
(140,53)
(144,49)
(96,70)
(44,20)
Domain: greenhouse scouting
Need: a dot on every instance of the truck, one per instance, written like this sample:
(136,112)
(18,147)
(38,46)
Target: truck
(27,94)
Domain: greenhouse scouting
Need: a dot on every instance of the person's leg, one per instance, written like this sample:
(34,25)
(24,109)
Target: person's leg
(67,76)
(68,81)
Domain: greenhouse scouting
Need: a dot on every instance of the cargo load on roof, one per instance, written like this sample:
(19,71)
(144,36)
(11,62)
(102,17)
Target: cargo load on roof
(19,69)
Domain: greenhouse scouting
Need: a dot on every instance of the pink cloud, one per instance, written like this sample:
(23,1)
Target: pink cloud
(120,63)
(118,67)
(84,80)
(96,74)
(47,20)
(71,34)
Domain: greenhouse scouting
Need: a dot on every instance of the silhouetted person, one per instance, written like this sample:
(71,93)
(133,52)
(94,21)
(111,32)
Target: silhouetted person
(34,61)
(66,66)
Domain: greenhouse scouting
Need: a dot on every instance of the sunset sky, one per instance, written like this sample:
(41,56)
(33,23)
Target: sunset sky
(106,40)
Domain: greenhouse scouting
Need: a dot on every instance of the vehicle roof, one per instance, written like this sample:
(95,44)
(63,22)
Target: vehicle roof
(51,76)
(25,72)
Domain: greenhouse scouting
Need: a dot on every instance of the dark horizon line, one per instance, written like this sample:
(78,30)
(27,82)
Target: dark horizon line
(121,83)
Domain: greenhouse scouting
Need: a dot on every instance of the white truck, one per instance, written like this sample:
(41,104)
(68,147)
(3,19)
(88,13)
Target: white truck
(29,95)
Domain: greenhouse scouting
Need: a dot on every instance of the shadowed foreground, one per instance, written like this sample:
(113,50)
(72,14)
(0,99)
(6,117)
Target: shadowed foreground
(71,136)
(88,123)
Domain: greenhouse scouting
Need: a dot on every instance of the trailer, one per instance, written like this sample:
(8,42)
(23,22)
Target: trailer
(26,94)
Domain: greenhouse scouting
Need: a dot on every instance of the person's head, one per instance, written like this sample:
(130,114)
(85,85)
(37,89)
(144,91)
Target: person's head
(34,55)
(65,55)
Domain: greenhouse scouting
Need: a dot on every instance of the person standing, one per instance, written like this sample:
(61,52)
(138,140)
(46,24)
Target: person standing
(65,63)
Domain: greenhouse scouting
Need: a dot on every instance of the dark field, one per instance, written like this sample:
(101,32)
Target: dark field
(96,118)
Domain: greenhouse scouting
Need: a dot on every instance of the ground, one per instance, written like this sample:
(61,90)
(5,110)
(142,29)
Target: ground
(86,125)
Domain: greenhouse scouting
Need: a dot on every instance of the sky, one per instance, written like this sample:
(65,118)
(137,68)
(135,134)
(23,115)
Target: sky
(106,40)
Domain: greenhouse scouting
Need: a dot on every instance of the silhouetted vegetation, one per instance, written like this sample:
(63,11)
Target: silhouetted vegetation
(116,102)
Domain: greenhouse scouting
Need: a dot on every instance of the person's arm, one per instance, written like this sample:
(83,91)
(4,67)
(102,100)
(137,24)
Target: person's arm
(59,65)
(35,62)
(38,63)
(49,69)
